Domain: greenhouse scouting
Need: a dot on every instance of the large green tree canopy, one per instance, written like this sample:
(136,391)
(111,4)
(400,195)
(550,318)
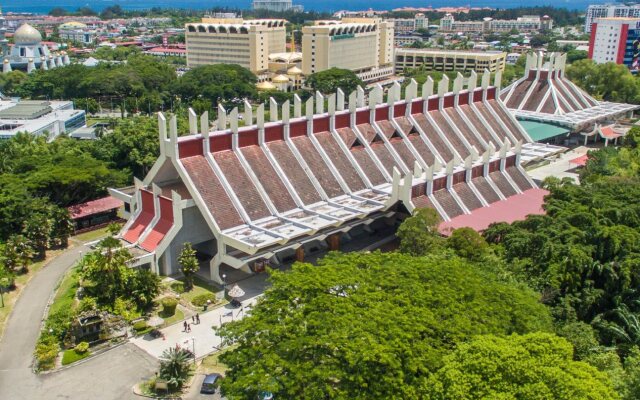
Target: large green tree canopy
(368,326)
(330,80)
(536,366)
(221,83)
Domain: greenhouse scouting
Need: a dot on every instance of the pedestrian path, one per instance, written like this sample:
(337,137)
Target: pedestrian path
(202,338)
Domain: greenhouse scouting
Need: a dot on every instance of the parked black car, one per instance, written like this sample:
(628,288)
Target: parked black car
(210,383)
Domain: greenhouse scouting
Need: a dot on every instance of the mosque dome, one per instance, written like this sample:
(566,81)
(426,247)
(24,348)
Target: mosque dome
(280,79)
(265,86)
(294,71)
(73,25)
(27,35)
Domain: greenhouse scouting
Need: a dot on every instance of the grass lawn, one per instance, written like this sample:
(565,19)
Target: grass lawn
(200,286)
(66,291)
(210,363)
(91,235)
(171,319)
(71,356)
(21,280)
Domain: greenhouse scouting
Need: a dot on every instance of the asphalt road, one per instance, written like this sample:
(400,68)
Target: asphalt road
(108,376)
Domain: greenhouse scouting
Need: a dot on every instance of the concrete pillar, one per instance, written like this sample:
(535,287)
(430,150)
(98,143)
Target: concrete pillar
(300,254)
(334,241)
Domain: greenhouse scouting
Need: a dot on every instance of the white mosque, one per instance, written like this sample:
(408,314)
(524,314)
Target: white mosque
(28,53)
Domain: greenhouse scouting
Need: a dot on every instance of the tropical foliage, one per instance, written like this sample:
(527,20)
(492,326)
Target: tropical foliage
(188,264)
(369,325)
(533,366)
(330,80)
(174,367)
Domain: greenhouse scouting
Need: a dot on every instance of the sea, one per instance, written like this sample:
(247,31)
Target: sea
(43,6)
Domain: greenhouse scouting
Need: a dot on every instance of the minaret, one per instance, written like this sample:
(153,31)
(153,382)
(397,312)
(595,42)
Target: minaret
(43,63)
(31,66)
(6,66)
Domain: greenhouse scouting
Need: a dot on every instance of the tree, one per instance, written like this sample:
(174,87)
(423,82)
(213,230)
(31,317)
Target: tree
(188,264)
(576,55)
(368,326)
(533,366)
(18,253)
(228,84)
(608,81)
(174,367)
(632,378)
(37,229)
(330,80)
(419,233)
(107,276)
(467,243)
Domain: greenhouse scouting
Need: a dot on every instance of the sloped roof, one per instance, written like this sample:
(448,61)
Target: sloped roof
(512,209)
(544,94)
(94,207)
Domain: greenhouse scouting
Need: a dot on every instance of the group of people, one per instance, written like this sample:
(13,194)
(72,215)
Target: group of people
(195,319)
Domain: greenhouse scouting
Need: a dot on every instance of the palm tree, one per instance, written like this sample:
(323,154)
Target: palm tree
(174,366)
(625,329)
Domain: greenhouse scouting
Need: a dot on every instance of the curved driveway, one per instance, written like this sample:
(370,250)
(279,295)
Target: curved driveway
(108,376)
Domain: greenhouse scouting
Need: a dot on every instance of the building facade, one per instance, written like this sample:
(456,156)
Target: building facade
(235,41)
(596,11)
(527,23)
(616,40)
(404,26)
(38,117)
(449,60)
(275,5)
(358,44)
(273,193)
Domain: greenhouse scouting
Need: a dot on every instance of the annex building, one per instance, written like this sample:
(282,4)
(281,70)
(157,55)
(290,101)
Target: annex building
(545,95)
(314,180)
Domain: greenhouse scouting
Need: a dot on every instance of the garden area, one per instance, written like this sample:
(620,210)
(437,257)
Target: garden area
(101,301)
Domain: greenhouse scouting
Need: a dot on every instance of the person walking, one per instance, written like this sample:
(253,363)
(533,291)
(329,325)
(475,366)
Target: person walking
(185,325)
(198,318)
(193,319)
(188,327)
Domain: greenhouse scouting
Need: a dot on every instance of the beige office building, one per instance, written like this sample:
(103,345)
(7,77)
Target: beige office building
(235,41)
(449,60)
(363,45)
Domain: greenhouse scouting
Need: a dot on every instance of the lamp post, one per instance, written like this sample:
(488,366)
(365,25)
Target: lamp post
(224,284)
(193,347)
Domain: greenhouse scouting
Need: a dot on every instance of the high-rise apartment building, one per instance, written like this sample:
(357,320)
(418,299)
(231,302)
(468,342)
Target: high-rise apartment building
(616,40)
(404,26)
(527,23)
(275,5)
(596,11)
(235,41)
(363,45)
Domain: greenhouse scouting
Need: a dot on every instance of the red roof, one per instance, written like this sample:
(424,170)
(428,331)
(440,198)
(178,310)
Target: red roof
(581,161)
(608,132)
(168,50)
(94,207)
(512,209)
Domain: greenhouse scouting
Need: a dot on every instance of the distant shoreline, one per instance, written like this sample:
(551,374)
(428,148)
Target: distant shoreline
(331,6)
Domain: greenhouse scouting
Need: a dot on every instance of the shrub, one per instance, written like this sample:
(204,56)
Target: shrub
(126,309)
(81,347)
(201,299)
(177,287)
(140,326)
(87,304)
(169,305)
(46,352)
